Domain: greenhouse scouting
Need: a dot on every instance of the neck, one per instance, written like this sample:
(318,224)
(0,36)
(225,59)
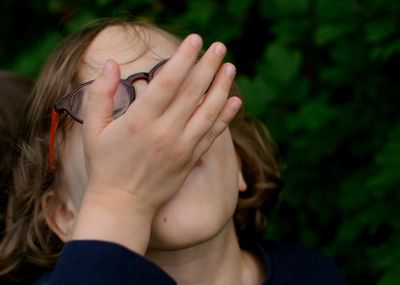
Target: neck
(216,261)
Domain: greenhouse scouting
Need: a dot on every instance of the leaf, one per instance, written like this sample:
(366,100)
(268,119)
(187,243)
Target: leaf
(328,33)
(334,75)
(349,54)
(280,64)
(238,8)
(54,6)
(353,191)
(291,7)
(391,277)
(292,30)
(311,116)
(384,52)
(379,30)
(200,13)
(257,95)
(388,160)
(334,11)
(103,3)
(81,19)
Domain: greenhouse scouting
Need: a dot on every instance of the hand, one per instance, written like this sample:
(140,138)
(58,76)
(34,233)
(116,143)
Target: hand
(145,155)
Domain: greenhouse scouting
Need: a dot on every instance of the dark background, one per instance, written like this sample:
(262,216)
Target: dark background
(323,75)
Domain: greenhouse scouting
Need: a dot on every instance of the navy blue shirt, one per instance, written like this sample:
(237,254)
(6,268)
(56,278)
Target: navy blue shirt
(104,263)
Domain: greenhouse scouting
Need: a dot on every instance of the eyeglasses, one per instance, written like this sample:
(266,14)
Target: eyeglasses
(75,103)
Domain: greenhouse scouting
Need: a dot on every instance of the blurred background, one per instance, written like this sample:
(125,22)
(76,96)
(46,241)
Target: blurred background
(322,74)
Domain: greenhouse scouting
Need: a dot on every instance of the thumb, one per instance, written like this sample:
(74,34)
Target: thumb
(100,99)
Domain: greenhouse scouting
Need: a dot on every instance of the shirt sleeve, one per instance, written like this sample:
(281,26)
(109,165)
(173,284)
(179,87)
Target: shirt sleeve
(102,263)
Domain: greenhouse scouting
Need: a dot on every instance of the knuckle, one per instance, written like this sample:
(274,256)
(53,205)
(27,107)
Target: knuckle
(211,114)
(222,122)
(211,135)
(160,140)
(216,130)
(194,90)
(102,85)
(181,155)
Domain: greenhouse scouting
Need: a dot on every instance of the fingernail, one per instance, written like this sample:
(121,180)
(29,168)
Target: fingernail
(230,70)
(220,49)
(108,67)
(236,105)
(195,40)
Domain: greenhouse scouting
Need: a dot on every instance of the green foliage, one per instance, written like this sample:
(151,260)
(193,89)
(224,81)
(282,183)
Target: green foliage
(321,74)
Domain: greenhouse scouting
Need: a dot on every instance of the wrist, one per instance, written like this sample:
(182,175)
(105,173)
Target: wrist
(114,216)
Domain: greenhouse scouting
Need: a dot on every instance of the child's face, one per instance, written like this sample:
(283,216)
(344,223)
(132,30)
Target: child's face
(207,200)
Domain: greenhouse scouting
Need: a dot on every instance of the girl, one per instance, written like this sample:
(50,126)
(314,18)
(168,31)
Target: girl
(143,182)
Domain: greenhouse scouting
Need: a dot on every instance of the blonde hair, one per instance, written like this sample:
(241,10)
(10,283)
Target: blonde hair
(28,238)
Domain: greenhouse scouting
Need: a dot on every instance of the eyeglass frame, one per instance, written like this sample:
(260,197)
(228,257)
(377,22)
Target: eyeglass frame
(63,104)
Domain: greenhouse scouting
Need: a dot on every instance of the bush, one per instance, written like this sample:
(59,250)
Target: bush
(321,74)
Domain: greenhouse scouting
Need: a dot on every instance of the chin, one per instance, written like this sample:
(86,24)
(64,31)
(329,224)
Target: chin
(199,211)
(176,242)
(185,231)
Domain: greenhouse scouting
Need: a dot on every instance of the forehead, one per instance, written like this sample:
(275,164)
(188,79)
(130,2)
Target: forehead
(133,48)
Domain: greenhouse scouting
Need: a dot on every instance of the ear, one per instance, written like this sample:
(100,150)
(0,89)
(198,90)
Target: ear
(242,182)
(60,215)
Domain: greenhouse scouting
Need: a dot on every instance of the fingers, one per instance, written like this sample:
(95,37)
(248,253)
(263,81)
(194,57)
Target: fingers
(214,114)
(100,99)
(196,84)
(165,86)
(229,111)
(213,104)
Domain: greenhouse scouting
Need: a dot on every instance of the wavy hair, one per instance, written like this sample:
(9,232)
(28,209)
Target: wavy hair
(28,239)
